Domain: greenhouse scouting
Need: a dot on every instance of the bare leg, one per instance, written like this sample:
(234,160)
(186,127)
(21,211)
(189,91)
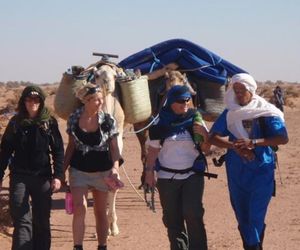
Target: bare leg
(111,214)
(100,204)
(80,206)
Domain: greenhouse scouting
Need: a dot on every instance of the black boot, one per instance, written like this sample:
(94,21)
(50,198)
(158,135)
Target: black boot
(102,247)
(77,247)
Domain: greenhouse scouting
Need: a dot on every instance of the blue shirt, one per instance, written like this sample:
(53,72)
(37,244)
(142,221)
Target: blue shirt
(239,169)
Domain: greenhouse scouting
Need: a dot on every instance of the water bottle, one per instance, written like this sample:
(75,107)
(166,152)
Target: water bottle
(198,139)
(69,201)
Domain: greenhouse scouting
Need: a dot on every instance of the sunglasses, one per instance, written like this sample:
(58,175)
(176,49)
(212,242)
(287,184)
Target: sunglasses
(92,91)
(33,99)
(182,101)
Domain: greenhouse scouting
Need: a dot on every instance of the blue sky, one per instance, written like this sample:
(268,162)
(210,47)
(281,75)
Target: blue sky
(41,39)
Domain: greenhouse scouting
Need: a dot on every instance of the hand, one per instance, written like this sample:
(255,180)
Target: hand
(200,130)
(113,181)
(201,136)
(115,171)
(245,153)
(243,144)
(55,185)
(150,178)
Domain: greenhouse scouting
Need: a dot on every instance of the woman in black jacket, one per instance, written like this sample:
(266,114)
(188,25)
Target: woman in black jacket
(31,145)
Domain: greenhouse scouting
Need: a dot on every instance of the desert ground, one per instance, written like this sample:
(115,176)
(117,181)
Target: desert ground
(141,228)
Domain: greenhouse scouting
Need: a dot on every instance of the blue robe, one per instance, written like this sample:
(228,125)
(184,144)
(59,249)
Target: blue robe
(251,183)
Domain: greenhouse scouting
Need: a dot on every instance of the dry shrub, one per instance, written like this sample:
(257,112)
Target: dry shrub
(8,109)
(50,90)
(290,90)
(3,123)
(265,92)
(12,85)
(290,103)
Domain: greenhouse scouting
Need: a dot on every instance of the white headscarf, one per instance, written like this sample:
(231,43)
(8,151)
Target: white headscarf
(257,107)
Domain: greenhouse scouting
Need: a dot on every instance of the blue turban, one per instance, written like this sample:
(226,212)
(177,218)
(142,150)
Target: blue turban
(170,123)
(177,92)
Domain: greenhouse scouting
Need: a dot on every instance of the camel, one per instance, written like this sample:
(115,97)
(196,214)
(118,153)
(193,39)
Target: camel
(105,77)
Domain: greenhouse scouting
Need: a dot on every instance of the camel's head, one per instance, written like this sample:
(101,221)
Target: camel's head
(174,77)
(105,77)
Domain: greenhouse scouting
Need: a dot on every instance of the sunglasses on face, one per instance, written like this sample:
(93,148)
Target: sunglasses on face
(182,101)
(33,99)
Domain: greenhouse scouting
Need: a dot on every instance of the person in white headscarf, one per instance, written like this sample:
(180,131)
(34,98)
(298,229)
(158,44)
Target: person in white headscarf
(249,128)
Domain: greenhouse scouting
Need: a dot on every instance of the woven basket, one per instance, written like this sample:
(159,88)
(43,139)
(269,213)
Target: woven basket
(136,100)
(65,101)
(212,97)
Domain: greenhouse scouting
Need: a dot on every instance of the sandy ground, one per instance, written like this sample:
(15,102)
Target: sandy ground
(141,229)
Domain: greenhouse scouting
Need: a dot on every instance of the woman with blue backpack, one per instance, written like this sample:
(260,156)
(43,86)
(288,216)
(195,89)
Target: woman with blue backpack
(176,165)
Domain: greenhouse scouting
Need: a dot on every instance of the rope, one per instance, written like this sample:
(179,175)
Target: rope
(142,129)
(194,69)
(147,126)
(130,182)
(156,61)
(202,67)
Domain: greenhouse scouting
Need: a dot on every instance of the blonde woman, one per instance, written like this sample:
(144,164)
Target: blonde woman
(93,156)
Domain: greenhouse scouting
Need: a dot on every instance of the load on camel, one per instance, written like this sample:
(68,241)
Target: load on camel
(136,86)
(206,72)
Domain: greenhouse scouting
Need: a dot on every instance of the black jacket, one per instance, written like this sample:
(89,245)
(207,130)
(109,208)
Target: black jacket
(32,150)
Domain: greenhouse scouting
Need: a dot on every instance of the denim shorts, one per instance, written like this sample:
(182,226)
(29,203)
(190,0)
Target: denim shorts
(94,180)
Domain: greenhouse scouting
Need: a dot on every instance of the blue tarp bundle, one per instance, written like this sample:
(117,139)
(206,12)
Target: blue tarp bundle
(202,63)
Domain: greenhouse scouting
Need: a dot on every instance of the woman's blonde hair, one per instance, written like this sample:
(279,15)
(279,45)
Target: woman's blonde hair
(85,92)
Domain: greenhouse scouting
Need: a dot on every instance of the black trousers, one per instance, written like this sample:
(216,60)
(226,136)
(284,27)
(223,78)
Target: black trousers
(183,212)
(31,221)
